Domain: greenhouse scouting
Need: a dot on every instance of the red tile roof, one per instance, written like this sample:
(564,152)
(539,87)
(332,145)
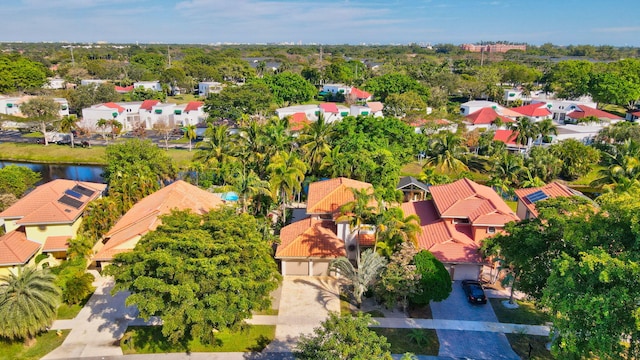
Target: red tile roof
(449,243)
(193,105)
(113,105)
(143,216)
(506,136)
(124,89)
(584,111)
(375,106)
(15,249)
(41,206)
(297,121)
(470,200)
(149,104)
(359,94)
(56,243)
(533,110)
(366,239)
(328,196)
(552,190)
(636,113)
(310,238)
(329,107)
(486,116)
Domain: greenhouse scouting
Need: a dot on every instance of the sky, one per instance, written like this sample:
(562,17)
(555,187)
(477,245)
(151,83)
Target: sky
(561,22)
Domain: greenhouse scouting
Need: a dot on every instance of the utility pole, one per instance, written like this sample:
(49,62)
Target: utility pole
(169,55)
(321,68)
(73,62)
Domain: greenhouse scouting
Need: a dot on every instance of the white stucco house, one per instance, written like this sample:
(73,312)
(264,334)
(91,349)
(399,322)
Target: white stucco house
(148,85)
(209,87)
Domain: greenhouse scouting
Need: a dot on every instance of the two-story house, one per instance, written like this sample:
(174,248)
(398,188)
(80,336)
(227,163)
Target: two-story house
(43,221)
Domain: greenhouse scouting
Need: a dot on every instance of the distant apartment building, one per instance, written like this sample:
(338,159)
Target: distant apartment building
(492,48)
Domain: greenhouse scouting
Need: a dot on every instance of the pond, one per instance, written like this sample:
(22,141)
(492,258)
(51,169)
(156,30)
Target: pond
(50,172)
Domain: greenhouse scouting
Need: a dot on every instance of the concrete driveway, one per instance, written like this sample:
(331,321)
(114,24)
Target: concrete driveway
(469,344)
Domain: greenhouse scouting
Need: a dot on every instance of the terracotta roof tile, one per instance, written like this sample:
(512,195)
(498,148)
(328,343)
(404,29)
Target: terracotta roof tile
(193,105)
(367,239)
(113,105)
(124,89)
(360,94)
(149,104)
(298,121)
(533,110)
(486,116)
(56,243)
(329,107)
(552,190)
(310,238)
(143,216)
(15,249)
(375,106)
(41,206)
(506,136)
(584,111)
(328,196)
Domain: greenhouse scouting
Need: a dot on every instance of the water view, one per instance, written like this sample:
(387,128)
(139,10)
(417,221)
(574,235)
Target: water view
(50,172)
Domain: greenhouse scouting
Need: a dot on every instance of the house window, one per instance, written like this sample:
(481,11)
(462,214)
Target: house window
(460,221)
(491,230)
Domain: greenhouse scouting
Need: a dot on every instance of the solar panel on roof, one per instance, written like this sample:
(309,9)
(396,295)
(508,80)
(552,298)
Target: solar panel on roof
(83,190)
(537,196)
(73,193)
(68,200)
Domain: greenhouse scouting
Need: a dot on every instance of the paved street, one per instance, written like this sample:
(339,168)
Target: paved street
(465,343)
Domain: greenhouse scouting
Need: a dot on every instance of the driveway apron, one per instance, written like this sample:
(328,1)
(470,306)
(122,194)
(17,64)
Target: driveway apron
(462,344)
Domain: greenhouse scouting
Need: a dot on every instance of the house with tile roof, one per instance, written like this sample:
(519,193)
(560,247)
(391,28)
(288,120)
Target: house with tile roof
(579,112)
(145,215)
(11,106)
(509,138)
(191,113)
(43,221)
(307,246)
(485,118)
(534,111)
(456,221)
(527,198)
(358,95)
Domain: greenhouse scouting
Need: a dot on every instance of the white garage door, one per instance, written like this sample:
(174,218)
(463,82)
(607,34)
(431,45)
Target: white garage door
(295,267)
(320,268)
(466,272)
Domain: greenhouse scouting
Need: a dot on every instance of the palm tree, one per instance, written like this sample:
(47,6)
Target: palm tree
(287,174)
(68,124)
(364,276)
(394,228)
(334,163)
(190,133)
(28,303)
(316,140)
(248,185)
(508,168)
(359,212)
(251,139)
(524,129)
(102,124)
(217,151)
(447,153)
(276,136)
(545,128)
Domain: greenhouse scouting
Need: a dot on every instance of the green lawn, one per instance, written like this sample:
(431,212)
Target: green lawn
(149,340)
(33,135)
(615,109)
(266,312)
(183,99)
(587,179)
(64,154)
(66,311)
(520,344)
(406,340)
(45,343)
(512,204)
(411,169)
(526,313)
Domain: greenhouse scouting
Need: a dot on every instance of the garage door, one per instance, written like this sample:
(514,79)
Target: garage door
(466,272)
(293,267)
(320,268)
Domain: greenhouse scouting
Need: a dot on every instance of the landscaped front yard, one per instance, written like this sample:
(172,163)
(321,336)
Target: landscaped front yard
(416,341)
(45,343)
(526,313)
(149,339)
(520,344)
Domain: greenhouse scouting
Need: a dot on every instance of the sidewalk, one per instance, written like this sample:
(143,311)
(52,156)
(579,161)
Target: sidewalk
(408,323)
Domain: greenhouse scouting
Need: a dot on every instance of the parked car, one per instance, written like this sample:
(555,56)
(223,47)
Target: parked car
(474,292)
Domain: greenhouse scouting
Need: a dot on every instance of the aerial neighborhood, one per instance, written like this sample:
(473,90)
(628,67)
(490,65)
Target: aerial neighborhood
(475,201)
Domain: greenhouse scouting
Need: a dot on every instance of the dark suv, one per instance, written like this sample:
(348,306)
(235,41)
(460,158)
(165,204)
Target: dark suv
(474,291)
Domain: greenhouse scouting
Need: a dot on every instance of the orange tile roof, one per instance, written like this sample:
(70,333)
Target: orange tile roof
(15,249)
(310,238)
(535,109)
(328,196)
(297,121)
(41,206)
(506,136)
(552,190)
(375,106)
(584,111)
(56,243)
(367,239)
(467,199)
(143,216)
(148,104)
(193,105)
(486,116)
(329,107)
(449,243)
(113,105)
(360,94)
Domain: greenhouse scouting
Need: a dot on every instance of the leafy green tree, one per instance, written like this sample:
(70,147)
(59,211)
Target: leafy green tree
(84,96)
(249,186)
(42,110)
(362,278)
(578,159)
(393,229)
(286,176)
(199,273)
(99,217)
(341,338)
(542,164)
(233,101)
(218,151)
(611,88)
(570,79)
(17,180)
(289,88)
(18,73)
(73,280)
(68,124)
(447,153)
(435,282)
(400,279)
(315,141)
(408,104)
(141,94)
(28,303)
(395,83)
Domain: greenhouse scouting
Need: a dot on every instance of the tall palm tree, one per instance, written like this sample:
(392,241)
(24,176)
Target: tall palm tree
(508,168)
(28,303)
(68,124)
(334,163)
(394,228)
(524,129)
(447,153)
(359,212)
(251,139)
(287,174)
(545,128)
(625,172)
(370,264)
(276,136)
(218,151)
(316,141)
(248,185)
(190,133)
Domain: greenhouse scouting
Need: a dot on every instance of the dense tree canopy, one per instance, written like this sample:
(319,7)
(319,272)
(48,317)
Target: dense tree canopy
(199,273)
(18,73)
(234,101)
(289,88)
